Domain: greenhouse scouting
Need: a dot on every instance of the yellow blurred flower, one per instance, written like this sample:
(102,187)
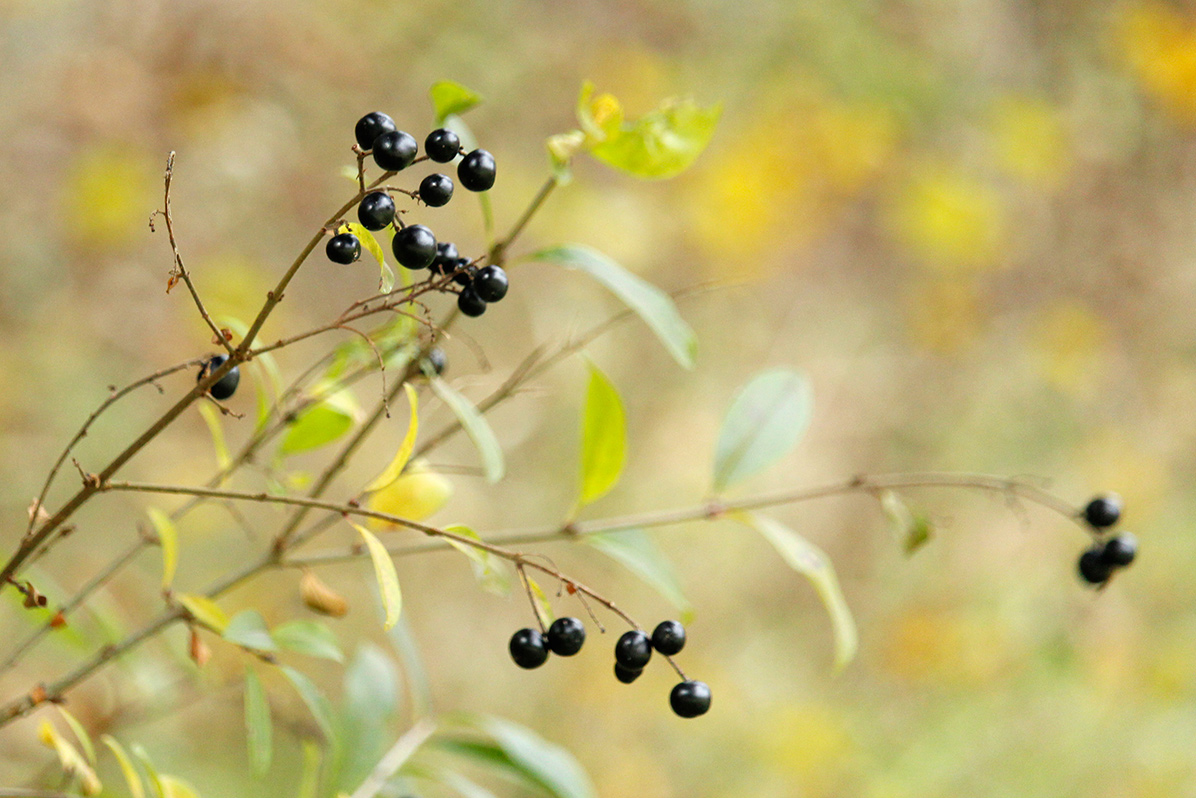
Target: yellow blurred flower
(952,221)
(1159,42)
(1030,140)
(1069,341)
(109,194)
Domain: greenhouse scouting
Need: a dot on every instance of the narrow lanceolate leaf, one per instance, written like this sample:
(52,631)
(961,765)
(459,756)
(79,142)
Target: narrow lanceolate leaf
(475,427)
(132,777)
(322,423)
(174,787)
(151,772)
(449,97)
(204,610)
(392,471)
(491,571)
(89,749)
(168,539)
(308,637)
(766,419)
(636,550)
(259,728)
(384,571)
(386,281)
(541,599)
(72,762)
(525,755)
(212,418)
(807,559)
(317,703)
(248,628)
(603,438)
(652,305)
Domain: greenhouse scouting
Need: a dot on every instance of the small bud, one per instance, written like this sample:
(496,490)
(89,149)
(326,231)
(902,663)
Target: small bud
(200,653)
(321,598)
(58,621)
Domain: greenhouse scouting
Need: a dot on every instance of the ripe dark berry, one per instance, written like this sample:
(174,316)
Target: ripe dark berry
(226,386)
(436,190)
(464,273)
(414,246)
(1119,551)
(473,305)
(565,636)
(437,359)
(1093,569)
(668,638)
(394,150)
(343,248)
(528,648)
(491,283)
(376,210)
(442,145)
(1103,511)
(633,650)
(476,171)
(370,127)
(690,699)
(627,675)
(446,258)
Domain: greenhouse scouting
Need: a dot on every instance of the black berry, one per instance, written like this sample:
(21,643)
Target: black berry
(627,675)
(633,650)
(464,272)
(376,210)
(446,258)
(565,636)
(476,171)
(668,638)
(528,648)
(414,246)
(226,386)
(436,190)
(370,127)
(473,305)
(394,150)
(690,699)
(491,283)
(343,248)
(442,145)
(437,359)
(1119,551)
(1103,511)
(1093,569)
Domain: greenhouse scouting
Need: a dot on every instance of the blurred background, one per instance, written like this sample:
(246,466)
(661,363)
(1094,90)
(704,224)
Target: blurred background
(971,223)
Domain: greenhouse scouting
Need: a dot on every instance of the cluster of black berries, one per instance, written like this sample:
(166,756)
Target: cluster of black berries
(1099,562)
(224,387)
(415,246)
(529,648)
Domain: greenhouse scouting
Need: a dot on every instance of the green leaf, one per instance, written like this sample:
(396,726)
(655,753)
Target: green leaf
(89,749)
(386,281)
(204,610)
(807,559)
(168,538)
(151,772)
(541,599)
(316,701)
(321,424)
(259,728)
(174,787)
(248,629)
(636,550)
(308,637)
(518,749)
(475,427)
(212,419)
(662,143)
(384,571)
(72,762)
(309,779)
(914,529)
(132,777)
(413,668)
(371,703)
(491,571)
(392,471)
(654,306)
(766,419)
(603,438)
(450,98)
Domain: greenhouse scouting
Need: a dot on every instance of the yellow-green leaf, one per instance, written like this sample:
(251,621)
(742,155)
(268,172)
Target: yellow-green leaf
(259,728)
(173,787)
(541,599)
(309,637)
(204,610)
(81,734)
(766,419)
(392,471)
(807,559)
(212,418)
(386,281)
(309,780)
(317,703)
(155,781)
(603,438)
(914,529)
(490,570)
(168,539)
(475,427)
(449,97)
(662,143)
(132,777)
(640,554)
(248,629)
(73,763)
(384,571)
(414,496)
(322,423)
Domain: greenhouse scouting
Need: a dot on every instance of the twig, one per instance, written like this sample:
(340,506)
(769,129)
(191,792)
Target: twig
(393,759)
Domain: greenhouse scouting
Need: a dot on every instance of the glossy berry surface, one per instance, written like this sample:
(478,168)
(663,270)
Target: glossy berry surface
(1103,511)
(370,127)
(343,248)
(566,636)
(472,305)
(668,638)
(1119,551)
(627,675)
(464,273)
(690,699)
(437,359)
(376,210)
(528,648)
(442,145)
(395,150)
(633,650)
(226,386)
(414,246)
(446,258)
(491,283)
(436,190)
(476,171)
(1093,569)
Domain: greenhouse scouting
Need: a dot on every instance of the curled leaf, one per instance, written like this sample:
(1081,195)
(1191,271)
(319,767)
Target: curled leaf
(384,571)
(392,471)
(321,598)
